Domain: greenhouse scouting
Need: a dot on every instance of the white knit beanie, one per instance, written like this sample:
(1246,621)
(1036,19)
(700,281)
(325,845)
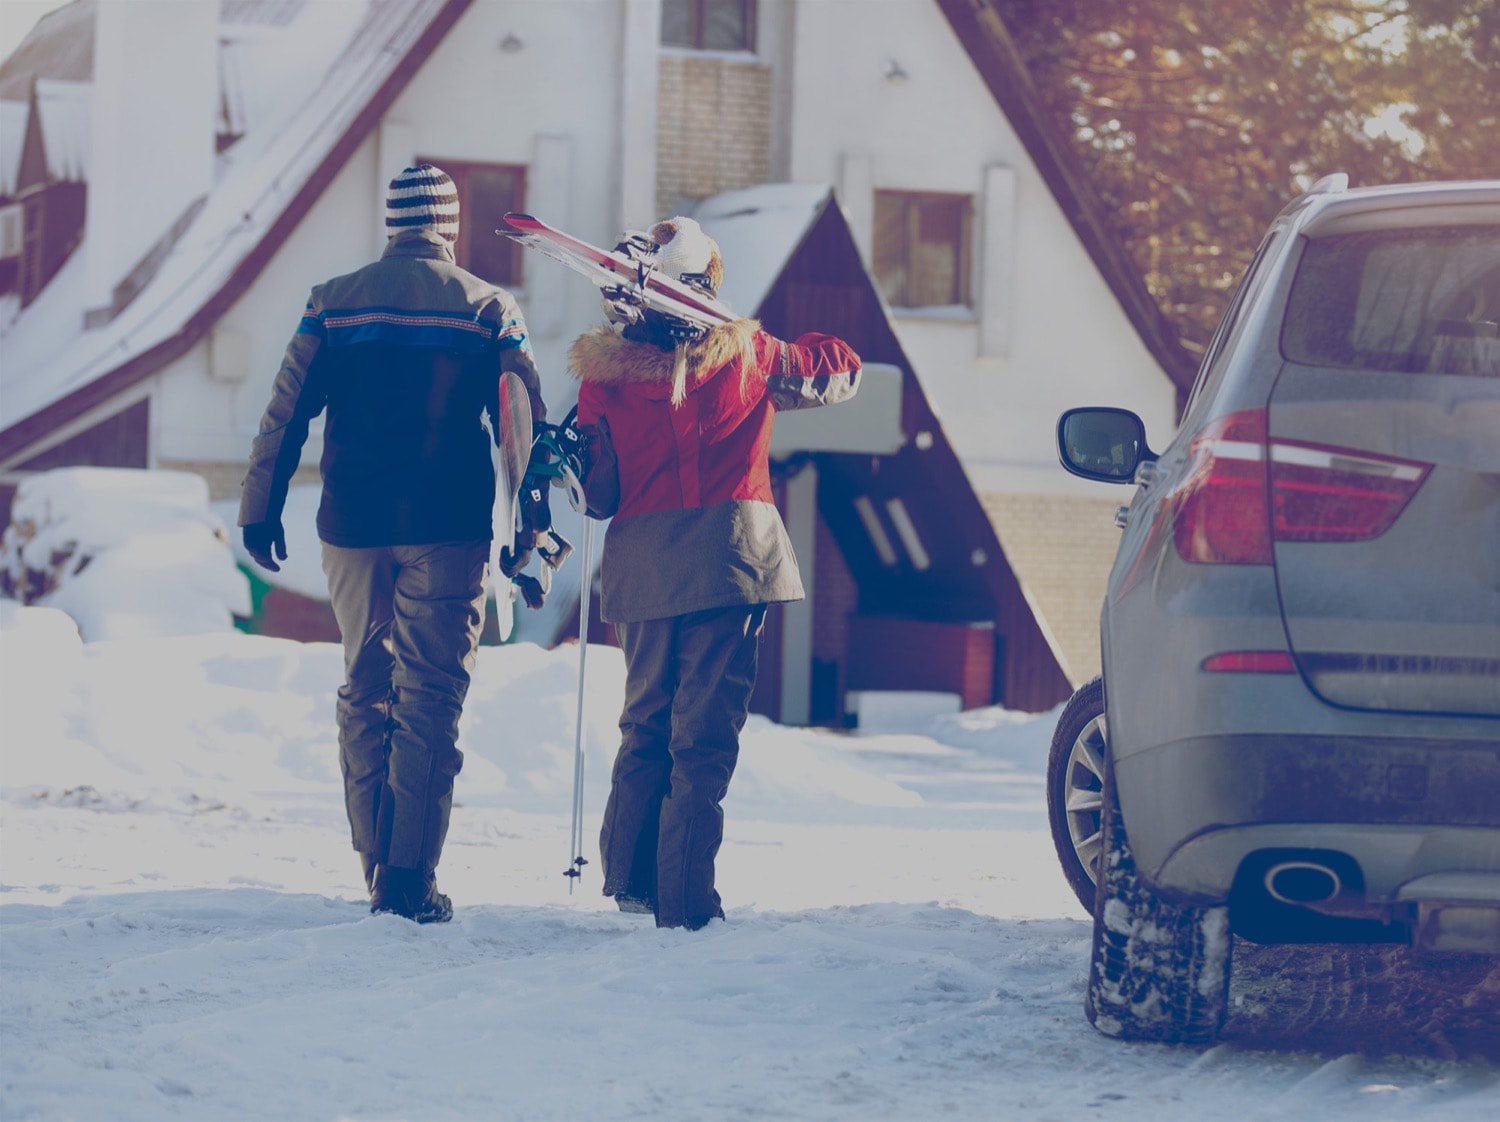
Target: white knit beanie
(422,196)
(685,248)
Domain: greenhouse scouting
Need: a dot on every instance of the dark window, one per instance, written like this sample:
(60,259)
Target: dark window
(123,440)
(1413,301)
(485,193)
(709,25)
(51,229)
(922,248)
(1215,365)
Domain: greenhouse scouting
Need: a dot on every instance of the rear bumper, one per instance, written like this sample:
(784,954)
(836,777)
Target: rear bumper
(1400,808)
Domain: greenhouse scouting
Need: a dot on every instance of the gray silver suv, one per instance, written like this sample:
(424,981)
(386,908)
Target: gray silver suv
(1296,737)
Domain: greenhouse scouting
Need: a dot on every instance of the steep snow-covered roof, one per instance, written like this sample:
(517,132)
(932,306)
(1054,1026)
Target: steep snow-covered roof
(343,63)
(270,66)
(758,229)
(61,45)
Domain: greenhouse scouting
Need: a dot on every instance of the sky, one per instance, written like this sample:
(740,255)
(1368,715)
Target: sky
(184,932)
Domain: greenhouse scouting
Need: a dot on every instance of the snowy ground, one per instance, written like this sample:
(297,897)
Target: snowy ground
(185,936)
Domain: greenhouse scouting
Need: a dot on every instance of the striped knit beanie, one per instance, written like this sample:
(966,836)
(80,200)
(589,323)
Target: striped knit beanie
(422,196)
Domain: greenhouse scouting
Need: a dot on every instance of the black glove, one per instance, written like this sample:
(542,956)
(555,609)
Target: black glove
(512,561)
(536,511)
(531,590)
(264,540)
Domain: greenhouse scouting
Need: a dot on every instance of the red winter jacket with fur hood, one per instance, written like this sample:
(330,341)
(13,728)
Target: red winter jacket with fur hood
(697,525)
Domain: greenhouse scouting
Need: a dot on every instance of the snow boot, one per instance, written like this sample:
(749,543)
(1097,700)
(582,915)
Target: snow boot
(698,923)
(409,893)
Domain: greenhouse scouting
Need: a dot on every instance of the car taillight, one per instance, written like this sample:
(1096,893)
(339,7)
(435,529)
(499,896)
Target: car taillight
(1250,662)
(1243,492)
(1334,495)
(1220,513)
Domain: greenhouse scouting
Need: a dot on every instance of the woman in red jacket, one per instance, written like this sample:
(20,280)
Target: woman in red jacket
(694,553)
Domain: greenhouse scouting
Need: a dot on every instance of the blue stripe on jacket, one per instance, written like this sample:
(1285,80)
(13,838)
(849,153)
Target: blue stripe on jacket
(450,331)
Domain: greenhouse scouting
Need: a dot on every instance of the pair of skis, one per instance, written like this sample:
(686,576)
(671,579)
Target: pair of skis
(626,276)
(631,287)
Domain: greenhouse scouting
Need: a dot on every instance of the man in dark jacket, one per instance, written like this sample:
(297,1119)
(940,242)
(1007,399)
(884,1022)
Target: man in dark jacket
(405,355)
(695,552)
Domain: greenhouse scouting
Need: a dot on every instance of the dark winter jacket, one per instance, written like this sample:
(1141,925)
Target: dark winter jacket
(405,355)
(697,525)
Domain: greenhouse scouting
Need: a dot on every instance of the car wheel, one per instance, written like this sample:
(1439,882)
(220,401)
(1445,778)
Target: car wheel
(1159,970)
(1075,788)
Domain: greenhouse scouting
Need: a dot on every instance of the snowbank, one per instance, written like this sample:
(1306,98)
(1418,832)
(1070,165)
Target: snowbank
(184,933)
(124,553)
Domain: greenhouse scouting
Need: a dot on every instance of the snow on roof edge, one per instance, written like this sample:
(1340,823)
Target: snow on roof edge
(758,229)
(183,288)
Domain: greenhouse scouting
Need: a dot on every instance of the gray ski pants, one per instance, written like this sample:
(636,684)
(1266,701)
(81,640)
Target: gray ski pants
(688,681)
(410,617)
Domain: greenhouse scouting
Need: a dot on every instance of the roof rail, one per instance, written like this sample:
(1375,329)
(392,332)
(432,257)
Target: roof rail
(1330,184)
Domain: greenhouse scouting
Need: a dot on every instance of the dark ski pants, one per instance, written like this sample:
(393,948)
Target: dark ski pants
(410,617)
(688,681)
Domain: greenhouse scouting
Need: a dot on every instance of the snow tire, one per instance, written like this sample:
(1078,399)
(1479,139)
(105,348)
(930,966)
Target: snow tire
(1159,970)
(1075,788)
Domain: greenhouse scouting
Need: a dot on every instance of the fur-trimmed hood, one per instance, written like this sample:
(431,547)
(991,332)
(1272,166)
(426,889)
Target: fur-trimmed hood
(604,356)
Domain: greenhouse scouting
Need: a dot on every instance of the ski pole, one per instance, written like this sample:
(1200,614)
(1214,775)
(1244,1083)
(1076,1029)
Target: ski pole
(575,866)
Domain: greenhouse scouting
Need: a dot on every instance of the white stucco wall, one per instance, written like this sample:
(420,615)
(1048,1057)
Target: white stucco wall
(1068,341)
(199,415)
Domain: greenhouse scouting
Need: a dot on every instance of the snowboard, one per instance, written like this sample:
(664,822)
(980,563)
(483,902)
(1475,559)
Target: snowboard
(625,275)
(512,452)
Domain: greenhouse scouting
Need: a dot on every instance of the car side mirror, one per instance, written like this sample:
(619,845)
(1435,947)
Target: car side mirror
(1103,444)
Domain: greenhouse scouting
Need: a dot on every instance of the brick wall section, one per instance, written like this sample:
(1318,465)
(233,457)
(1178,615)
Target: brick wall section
(1061,549)
(713,127)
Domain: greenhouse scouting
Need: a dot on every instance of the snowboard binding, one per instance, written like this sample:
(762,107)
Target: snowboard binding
(625,304)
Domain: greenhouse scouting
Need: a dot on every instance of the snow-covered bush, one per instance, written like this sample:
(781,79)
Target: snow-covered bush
(126,553)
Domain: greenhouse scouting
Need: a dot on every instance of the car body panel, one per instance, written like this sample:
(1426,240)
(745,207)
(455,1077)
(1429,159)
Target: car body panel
(1226,785)
(1415,632)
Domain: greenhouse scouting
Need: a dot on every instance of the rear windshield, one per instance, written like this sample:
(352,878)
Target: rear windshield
(1413,301)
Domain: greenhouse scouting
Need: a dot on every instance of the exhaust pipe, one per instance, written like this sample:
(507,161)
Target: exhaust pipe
(1302,882)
